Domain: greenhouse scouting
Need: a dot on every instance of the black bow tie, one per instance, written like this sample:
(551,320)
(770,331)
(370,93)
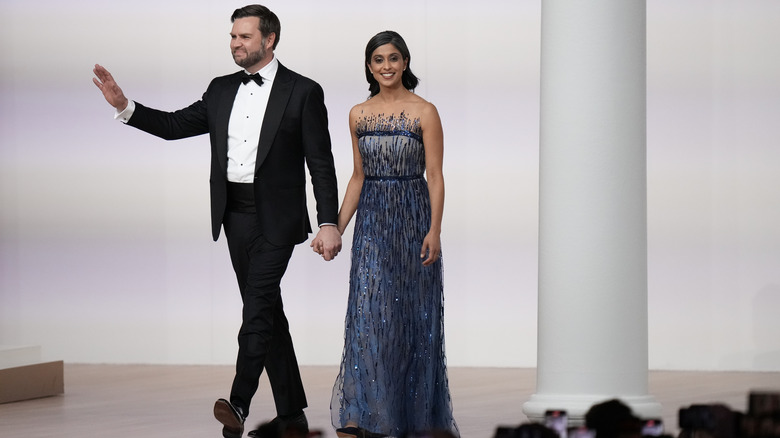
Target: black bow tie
(245,78)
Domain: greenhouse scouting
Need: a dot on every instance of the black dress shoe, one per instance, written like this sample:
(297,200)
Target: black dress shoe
(278,426)
(231,417)
(348,432)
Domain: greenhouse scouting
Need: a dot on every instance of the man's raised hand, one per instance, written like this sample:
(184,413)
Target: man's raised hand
(108,86)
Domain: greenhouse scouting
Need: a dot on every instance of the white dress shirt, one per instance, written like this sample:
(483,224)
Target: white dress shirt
(246,120)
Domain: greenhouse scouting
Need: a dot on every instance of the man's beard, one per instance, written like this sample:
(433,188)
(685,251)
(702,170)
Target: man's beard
(252,58)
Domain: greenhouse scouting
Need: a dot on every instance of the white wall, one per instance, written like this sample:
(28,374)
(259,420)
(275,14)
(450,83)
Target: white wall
(106,253)
(714,185)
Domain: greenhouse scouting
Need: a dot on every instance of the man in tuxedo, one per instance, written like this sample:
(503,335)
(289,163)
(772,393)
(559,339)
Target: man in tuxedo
(264,122)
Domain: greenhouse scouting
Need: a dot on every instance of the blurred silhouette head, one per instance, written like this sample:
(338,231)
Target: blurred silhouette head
(613,419)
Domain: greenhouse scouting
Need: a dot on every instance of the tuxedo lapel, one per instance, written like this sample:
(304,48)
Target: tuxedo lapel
(277,102)
(225,100)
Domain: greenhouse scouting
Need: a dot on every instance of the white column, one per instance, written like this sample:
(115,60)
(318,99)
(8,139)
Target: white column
(592,312)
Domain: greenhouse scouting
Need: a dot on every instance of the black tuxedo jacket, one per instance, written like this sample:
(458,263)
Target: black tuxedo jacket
(294,134)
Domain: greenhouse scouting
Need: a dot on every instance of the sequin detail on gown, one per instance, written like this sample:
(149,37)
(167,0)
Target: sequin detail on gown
(393,376)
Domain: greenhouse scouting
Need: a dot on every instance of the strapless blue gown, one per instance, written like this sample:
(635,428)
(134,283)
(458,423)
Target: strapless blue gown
(393,376)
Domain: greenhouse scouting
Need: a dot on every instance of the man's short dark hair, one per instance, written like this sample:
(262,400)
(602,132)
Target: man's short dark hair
(269,22)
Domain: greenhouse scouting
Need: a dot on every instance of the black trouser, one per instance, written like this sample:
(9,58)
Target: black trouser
(264,339)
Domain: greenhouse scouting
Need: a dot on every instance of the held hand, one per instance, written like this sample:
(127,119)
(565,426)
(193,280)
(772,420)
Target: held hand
(328,242)
(432,248)
(111,91)
(316,245)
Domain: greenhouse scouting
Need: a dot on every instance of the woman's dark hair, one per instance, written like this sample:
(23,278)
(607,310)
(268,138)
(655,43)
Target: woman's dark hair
(269,22)
(408,79)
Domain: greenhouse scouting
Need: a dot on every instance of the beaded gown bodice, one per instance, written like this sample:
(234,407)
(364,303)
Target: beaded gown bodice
(391,146)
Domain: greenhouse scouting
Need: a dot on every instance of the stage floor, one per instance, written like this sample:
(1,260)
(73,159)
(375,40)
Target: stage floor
(159,401)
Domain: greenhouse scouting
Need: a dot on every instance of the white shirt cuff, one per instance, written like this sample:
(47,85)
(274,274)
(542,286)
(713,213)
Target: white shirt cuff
(126,113)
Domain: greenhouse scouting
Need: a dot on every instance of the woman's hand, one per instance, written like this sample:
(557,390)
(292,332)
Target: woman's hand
(431,248)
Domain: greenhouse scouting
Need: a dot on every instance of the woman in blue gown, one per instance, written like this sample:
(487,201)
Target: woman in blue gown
(393,375)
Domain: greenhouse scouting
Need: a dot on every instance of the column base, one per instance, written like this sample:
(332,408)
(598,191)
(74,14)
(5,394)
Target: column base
(576,406)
